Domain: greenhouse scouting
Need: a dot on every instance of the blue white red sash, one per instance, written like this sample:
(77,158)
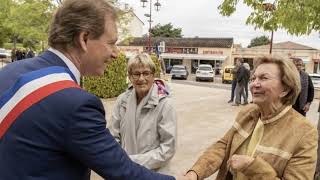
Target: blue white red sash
(29,89)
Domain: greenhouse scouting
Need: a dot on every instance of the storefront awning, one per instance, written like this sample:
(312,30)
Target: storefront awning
(193,56)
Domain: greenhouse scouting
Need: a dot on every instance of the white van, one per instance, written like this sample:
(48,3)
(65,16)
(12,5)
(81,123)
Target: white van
(205,72)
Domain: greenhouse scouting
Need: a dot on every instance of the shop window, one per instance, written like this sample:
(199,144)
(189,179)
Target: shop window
(176,62)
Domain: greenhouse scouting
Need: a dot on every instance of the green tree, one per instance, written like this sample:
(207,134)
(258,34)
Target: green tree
(258,41)
(166,30)
(297,17)
(112,83)
(27,19)
(4,30)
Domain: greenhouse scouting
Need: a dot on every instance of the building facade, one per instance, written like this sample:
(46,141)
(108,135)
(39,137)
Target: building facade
(132,26)
(185,51)
(218,52)
(309,55)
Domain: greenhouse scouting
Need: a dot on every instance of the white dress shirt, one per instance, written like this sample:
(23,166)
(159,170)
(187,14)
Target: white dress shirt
(69,63)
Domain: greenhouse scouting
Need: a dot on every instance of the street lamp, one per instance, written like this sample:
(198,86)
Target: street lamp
(269,7)
(157,6)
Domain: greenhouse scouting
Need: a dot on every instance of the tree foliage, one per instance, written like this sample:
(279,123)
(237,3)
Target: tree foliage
(26,19)
(258,41)
(166,30)
(297,17)
(112,83)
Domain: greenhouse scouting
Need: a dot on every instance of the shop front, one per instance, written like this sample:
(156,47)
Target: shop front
(192,61)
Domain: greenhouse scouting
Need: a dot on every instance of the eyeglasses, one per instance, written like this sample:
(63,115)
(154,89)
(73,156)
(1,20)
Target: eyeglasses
(145,74)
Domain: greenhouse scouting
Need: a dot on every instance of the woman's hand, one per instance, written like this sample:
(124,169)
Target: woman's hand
(191,175)
(306,107)
(239,162)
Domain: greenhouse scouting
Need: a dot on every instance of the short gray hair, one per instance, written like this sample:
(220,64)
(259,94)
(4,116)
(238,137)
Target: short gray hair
(141,59)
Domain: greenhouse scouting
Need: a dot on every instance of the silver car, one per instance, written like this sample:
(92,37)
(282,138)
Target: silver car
(179,71)
(315,78)
(4,53)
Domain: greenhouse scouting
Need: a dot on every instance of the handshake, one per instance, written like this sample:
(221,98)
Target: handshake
(235,163)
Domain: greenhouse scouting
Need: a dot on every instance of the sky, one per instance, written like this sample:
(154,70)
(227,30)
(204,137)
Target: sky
(201,18)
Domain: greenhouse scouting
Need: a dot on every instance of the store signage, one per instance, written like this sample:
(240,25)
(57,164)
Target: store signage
(213,52)
(132,50)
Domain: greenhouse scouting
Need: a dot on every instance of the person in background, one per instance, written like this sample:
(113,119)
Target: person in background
(269,140)
(305,98)
(50,128)
(144,119)
(19,54)
(24,54)
(247,77)
(13,55)
(242,79)
(30,54)
(234,81)
(317,173)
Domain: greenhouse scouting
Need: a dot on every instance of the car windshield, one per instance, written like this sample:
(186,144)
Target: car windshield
(178,68)
(203,68)
(2,51)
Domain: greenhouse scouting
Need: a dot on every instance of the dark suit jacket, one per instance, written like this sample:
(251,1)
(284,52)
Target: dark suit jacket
(63,136)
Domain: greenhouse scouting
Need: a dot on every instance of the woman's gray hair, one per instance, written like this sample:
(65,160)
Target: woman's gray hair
(289,76)
(142,59)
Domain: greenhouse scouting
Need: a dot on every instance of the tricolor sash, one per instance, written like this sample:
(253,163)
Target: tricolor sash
(31,88)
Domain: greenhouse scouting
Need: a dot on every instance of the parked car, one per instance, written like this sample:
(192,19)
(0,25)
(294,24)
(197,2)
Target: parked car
(205,72)
(4,53)
(179,71)
(227,75)
(315,78)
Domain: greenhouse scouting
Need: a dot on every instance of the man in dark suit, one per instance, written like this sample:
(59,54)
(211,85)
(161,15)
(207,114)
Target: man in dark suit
(51,129)
(305,98)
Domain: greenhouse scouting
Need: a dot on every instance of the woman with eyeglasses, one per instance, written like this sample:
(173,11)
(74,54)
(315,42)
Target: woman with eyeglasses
(269,140)
(144,119)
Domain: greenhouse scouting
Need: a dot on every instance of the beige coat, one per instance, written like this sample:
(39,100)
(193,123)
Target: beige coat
(147,132)
(288,149)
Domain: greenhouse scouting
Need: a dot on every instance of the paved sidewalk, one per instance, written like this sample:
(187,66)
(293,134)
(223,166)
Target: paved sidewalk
(203,117)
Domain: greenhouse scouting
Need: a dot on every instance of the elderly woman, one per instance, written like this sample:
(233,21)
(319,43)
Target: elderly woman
(269,139)
(144,119)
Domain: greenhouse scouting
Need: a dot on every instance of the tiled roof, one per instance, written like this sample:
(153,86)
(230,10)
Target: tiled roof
(182,42)
(285,45)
